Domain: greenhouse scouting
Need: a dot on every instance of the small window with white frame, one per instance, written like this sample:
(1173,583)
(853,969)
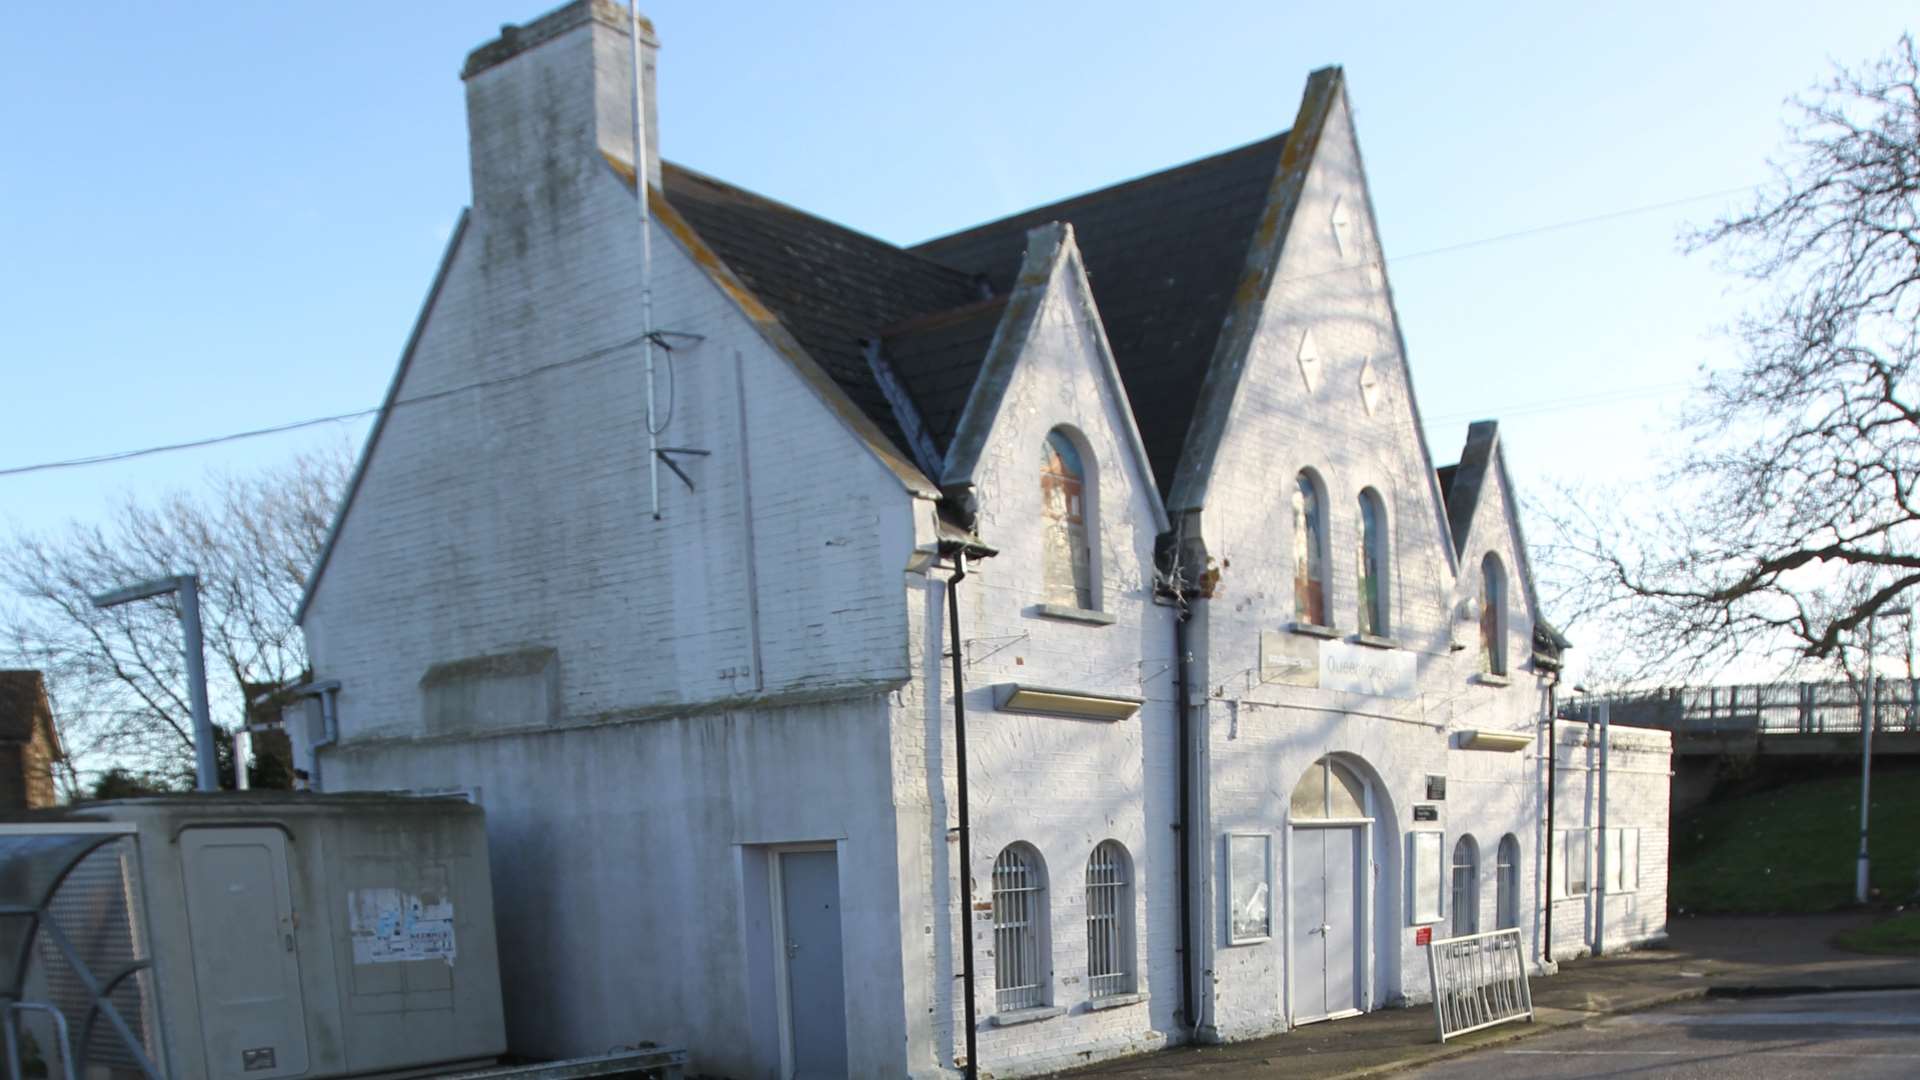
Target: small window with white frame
(1021,965)
(1623,860)
(1109,921)
(1573,859)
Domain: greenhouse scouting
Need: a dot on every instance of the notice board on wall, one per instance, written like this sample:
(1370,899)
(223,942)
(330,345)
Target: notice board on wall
(1424,871)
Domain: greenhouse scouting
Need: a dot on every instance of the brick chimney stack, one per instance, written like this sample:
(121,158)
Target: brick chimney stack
(546,99)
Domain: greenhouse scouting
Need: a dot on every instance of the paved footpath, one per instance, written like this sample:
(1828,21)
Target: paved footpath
(1859,1035)
(1720,956)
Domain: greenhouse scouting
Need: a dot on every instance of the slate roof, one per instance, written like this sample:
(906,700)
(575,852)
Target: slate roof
(1462,483)
(1164,254)
(833,288)
(937,358)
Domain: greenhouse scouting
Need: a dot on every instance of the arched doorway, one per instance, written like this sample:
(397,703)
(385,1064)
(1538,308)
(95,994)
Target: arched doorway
(1329,902)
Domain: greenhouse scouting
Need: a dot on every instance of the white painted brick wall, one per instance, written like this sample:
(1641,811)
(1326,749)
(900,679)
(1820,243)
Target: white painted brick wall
(518,513)
(1262,738)
(1638,796)
(516,516)
(1059,784)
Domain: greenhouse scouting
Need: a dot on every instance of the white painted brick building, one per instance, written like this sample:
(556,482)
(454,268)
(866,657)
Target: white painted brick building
(717,744)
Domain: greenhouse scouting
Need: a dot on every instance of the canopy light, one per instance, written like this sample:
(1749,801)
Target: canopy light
(1012,697)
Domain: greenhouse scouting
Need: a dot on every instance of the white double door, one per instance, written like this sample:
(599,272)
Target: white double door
(1327,920)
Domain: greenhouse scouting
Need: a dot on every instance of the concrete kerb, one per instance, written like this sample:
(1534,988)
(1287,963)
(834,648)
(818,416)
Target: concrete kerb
(1549,1019)
(1544,1021)
(1791,990)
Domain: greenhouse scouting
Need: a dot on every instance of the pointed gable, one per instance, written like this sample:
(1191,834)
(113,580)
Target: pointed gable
(1164,254)
(1480,481)
(1052,273)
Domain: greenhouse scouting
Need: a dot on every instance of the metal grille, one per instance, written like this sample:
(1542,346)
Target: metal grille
(95,907)
(1466,887)
(1507,883)
(1019,906)
(1109,960)
(1478,981)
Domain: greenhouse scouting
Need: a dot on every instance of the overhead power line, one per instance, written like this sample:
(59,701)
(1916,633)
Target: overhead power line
(114,456)
(237,436)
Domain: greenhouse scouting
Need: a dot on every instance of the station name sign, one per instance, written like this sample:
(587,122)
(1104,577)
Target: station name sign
(1301,660)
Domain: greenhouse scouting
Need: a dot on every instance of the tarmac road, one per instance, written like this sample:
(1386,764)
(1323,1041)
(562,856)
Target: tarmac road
(1864,1035)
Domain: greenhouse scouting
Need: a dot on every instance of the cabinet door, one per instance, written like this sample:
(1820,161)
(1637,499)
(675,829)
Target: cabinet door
(246,963)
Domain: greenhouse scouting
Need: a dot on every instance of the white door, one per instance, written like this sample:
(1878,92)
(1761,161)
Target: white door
(816,988)
(240,912)
(1326,919)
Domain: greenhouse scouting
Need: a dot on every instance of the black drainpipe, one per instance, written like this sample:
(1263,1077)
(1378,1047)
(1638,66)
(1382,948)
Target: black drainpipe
(1184,727)
(958,653)
(1553,767)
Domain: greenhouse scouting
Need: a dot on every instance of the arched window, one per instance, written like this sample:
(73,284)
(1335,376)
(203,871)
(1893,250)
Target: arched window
(1493,616)
(1466,887)
(1506,871)
(1109,921)
(1068,564)
(1309,551)
(1328,790)
(1372,561)
(1020,962)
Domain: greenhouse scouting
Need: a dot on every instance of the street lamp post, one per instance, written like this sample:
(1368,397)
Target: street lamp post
(207,774)
(1869,716)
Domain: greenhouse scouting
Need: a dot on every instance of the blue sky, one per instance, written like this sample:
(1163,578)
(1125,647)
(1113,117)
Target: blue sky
(224,216)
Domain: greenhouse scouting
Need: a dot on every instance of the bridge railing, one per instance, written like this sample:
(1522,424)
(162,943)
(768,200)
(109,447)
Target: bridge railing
(1805,708)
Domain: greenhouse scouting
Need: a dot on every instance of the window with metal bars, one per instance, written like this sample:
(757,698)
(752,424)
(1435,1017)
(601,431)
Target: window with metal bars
(1020,961)
(1507,878)
(1466,887)
(1109,921)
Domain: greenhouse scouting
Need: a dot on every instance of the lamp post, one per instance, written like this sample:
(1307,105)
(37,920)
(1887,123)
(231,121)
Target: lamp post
(187,586)
(1868,718)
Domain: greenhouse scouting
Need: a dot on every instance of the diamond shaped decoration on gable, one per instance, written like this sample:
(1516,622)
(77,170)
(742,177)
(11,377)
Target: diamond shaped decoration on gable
(1342,226)
(1369,386)
(1310,361)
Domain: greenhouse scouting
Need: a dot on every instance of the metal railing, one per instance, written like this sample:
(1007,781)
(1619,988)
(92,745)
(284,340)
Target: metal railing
(1478,981)
(1806,708)
(63,1041)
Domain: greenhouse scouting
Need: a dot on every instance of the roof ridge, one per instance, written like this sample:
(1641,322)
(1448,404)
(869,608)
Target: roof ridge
(1004,219)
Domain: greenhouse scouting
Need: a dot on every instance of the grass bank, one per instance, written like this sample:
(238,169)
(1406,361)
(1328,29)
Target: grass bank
(1791,848)
(1899,936)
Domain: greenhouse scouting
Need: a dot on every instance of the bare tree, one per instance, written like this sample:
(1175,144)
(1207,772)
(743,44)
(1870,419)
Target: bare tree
(116,677)
(1792,520)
